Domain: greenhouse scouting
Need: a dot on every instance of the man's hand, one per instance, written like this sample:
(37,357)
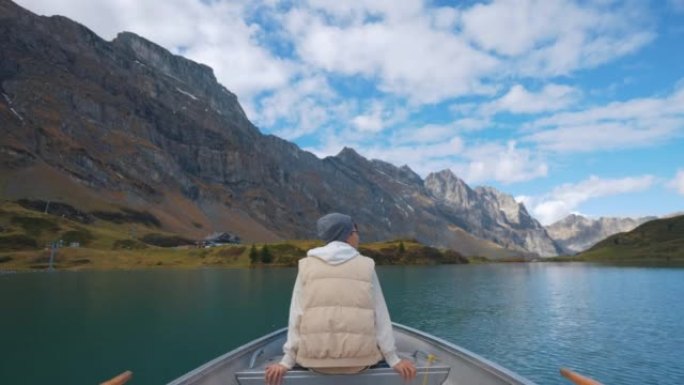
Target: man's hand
(275,373)
(406,369)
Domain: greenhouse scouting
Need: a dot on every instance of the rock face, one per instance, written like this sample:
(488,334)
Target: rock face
(490,214)
(128,124)
(576,233)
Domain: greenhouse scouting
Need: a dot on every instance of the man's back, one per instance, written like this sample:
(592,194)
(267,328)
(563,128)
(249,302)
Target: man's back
(338,315)
(337,327)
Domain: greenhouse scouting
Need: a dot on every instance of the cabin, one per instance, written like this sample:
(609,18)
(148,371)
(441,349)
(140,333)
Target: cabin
(220,239)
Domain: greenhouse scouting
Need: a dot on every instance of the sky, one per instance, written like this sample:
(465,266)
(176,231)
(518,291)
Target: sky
(569,106)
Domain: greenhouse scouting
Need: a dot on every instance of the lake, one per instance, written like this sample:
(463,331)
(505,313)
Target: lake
(618,324)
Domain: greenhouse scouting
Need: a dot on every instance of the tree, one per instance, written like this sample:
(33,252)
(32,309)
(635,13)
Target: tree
(266,256)
(402,249)
(253,255)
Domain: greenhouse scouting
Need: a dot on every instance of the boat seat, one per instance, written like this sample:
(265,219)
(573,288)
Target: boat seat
(433,375)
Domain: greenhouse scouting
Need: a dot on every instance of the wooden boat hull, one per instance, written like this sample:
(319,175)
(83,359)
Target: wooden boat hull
(453,365)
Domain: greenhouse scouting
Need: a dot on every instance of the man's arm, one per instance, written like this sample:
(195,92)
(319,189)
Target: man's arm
(292,343)
(385,337)
(383,325)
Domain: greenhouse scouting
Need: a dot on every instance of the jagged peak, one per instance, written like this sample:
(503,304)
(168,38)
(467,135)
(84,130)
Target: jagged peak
(409,171)
(406,168)
(571,218)
(10,8)
(128,37)
(492,191)
(445,175)
(160,58)
(349,153)
(488,189)
(501,197)
(445,184)
(403,173)
(575,219)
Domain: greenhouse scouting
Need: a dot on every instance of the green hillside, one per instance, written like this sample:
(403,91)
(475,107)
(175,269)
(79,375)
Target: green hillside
(127,239)
(657,240)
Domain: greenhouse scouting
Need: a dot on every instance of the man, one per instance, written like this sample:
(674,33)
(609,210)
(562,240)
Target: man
(339,321)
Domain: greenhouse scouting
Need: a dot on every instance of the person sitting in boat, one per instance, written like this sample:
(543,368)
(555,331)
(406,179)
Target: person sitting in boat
(339,322)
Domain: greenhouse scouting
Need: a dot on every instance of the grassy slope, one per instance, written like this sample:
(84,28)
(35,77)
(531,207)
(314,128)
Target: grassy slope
(106,246)
(661,239)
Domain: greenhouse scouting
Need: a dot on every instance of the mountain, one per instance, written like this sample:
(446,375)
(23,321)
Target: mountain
(659,239)
(576,233)
(489,214)
(111,127)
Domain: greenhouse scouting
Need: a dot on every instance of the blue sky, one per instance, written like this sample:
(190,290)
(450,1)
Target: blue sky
(570,106)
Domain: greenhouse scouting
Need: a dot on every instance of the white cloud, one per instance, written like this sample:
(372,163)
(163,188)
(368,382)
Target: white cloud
(285,67)
(429,133)
(513,27)
(445,18)
(356,11)
(402,49)
(432,133)
(422,158)
(371,120)
(678,182)
(369,123)
(303,107)
(555,37)
(565,199)
(410,59)
(605,136)
(633,123)
(518,100)
(472,124)
(672,105)
(503,163)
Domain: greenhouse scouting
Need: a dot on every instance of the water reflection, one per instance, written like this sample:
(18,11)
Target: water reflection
(535,318)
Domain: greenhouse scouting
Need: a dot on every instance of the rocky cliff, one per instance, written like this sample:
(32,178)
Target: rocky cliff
(576,233)
(489,214)
(127,124)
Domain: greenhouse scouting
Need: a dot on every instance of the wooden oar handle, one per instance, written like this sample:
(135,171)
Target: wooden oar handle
(578,379)
(120,379)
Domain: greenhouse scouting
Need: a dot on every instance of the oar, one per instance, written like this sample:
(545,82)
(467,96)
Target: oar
(120,379)
(578,379)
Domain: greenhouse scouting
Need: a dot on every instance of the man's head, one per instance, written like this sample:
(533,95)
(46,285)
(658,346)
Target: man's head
(337,227)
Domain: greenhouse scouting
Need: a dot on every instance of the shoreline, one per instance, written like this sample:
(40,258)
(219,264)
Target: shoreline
(169,267)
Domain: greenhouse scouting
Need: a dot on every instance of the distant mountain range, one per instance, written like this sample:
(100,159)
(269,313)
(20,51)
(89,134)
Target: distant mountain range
(576,233)
(660,239)
(127,125)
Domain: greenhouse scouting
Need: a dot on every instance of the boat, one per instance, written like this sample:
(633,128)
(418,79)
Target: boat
(437,362)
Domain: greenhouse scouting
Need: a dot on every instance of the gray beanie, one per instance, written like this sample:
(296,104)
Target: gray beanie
(335,227)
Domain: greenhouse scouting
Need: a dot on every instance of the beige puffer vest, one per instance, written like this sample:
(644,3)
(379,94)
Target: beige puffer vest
(337,326)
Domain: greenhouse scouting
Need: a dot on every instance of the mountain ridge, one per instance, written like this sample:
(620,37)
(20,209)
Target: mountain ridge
(576,233)
(659,239)
(128,124)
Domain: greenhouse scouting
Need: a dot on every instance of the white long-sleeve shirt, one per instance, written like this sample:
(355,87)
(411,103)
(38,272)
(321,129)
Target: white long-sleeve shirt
(335,253)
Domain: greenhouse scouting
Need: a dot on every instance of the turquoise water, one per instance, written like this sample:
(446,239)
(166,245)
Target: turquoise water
(620,325)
